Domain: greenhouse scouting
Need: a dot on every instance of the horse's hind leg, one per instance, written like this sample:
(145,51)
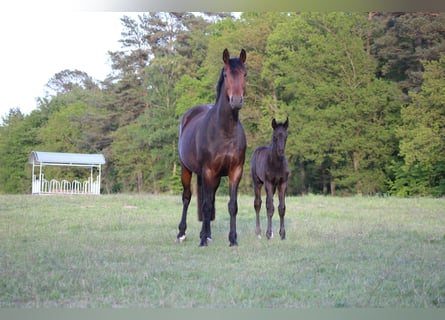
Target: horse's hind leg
(257,205)
(186,177)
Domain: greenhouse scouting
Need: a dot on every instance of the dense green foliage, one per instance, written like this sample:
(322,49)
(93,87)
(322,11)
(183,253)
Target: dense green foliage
(364,94)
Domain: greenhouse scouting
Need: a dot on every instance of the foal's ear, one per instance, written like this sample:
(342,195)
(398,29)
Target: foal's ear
(274,124)
(286,124)
(242,56)
(226,56)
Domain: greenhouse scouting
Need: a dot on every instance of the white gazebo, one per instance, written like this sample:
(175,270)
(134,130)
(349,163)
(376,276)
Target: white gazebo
(40,185)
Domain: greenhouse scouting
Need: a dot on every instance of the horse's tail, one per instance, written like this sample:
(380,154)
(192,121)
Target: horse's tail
(199,205)
(199,198)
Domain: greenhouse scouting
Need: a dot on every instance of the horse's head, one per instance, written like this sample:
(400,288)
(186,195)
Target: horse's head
(234,73)
(279,137)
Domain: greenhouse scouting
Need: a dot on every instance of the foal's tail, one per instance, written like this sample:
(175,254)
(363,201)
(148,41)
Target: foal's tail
(254,159)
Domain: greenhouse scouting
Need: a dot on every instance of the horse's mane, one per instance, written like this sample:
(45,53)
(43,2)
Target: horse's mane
(219,84)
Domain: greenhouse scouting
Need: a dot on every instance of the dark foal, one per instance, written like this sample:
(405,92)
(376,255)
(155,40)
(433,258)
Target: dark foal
(212,144)
(270,168)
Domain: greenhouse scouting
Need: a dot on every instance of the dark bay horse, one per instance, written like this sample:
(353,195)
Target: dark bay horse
(269,167)
(212,144)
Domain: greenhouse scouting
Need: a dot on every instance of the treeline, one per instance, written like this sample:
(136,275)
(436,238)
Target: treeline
(364,93)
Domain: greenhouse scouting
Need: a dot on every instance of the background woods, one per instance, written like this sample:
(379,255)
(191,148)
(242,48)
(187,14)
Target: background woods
(364,94)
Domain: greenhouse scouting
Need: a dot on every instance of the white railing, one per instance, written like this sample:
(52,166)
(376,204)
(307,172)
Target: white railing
(43,186)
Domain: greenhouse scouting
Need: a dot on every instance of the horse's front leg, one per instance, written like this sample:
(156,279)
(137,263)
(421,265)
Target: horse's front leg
(234,180)
(186,177)
(270,190)
(282,208)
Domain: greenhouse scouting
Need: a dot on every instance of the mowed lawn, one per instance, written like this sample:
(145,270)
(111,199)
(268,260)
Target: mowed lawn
(120,251)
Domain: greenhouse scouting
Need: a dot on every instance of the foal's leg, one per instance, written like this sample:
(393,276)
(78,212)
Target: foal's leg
(282,208)
(186,177)
(257,185)
(234,179)
(270,190)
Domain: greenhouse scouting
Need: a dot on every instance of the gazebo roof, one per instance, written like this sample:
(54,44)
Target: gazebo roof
(39,157)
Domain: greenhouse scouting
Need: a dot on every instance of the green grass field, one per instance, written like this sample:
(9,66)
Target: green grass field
(120,251)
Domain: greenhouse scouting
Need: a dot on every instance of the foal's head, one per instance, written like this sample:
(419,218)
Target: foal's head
(279,137)
(233,74)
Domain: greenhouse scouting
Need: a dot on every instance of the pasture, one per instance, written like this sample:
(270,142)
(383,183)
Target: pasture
(120,251)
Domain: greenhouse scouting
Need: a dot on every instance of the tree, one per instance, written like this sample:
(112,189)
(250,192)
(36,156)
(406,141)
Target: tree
(144,153)
(422,136)
(17,140)
(402,41)
(65,128)
(68,80)
(125,95)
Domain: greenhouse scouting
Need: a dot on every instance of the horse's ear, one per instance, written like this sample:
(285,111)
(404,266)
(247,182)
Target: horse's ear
(286,124)
(242,56)
(274,124)
(226,56)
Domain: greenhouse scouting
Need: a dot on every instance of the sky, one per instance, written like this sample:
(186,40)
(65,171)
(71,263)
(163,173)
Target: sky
(37,45)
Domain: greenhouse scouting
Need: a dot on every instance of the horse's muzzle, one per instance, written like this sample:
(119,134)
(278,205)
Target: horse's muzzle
(236,102)
(281,153)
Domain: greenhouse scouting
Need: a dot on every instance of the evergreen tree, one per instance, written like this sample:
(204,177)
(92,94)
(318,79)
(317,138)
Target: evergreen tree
(402,41)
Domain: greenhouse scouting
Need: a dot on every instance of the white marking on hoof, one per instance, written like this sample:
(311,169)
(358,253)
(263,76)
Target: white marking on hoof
(258,236)
(209,239)
(181,238)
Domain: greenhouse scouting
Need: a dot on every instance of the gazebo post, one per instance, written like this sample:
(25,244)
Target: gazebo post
(40,178)
(91,179)
(33,178)
(100,177)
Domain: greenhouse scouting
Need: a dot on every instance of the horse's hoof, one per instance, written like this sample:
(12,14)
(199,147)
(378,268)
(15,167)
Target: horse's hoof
(258,236)
(234,244)
(181,238)
(204,242)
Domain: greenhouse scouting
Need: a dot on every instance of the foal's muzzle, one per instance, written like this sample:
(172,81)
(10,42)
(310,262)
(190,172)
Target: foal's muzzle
(236,102)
